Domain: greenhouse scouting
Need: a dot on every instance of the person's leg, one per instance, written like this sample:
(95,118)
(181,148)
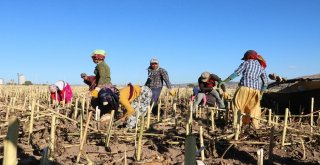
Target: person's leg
(239,102)
(219,100)
(145,100)
(131,122)
(197,101)
(204,100)
(254,107)
(155,96)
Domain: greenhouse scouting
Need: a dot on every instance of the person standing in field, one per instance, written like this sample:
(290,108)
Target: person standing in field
(89,80)
(60,92)
(156,76)
(135,99)
(247,96)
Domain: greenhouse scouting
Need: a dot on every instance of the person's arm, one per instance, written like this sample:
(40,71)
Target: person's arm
(102,71)
(220,82)
(237,72)
(165,77)
(92,82)
(264,79)
(148,79)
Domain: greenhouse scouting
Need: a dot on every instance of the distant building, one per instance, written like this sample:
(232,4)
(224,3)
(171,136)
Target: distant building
(2,81)
(21,79)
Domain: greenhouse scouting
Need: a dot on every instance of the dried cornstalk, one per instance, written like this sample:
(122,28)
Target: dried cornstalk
(140,139)
(311,118)
(52,136)
(76,108)
(8,109)
(269,117)
(38,110)
(83,140)
(201,143)
(260,157)
(10,143)
(158,112)
(212,120)
(238,121)
(285,127)
(148,115)
(175,115)
(109,128)
(31,120)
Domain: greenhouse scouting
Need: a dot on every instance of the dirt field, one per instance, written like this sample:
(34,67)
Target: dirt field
(163,143)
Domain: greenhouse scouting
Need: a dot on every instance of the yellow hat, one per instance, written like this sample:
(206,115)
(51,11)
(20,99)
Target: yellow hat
(99,51)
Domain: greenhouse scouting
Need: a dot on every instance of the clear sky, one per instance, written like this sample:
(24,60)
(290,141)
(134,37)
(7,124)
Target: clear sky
(49,40)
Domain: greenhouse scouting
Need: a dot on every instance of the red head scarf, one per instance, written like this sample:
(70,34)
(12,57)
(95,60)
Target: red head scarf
(251,54)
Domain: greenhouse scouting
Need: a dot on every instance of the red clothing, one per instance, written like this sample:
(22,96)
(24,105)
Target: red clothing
(210,83)
(251,54)
(91,81)
(66,93)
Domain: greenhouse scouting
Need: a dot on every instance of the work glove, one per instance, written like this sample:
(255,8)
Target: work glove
(94,94)
(226,96)
(221,83)
(172,92)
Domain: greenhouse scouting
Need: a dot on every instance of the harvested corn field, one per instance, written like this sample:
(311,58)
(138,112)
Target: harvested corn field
(73,133)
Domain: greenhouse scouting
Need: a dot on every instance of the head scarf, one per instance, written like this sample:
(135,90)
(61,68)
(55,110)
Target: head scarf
(251,54)
(52,88)
(98,54)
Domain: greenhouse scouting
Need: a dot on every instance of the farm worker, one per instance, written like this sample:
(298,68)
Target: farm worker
(156,76)
(247,96)
(101,71)
(134,98)
(195,92)
(89,80)
(60,91)
(207,82)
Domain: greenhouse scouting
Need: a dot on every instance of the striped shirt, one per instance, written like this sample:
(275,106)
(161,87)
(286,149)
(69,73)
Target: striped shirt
(251,71)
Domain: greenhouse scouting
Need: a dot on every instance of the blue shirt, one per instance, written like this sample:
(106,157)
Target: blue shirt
(251,71)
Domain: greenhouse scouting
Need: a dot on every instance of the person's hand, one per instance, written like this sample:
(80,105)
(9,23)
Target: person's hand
(172,92)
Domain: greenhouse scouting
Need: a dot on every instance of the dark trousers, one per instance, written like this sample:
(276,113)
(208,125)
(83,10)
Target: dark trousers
(155,96)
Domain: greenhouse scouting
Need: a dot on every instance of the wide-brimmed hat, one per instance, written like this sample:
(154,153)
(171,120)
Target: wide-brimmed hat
(205,76)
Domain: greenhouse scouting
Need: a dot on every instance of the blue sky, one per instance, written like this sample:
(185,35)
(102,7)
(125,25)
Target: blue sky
(53,39)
